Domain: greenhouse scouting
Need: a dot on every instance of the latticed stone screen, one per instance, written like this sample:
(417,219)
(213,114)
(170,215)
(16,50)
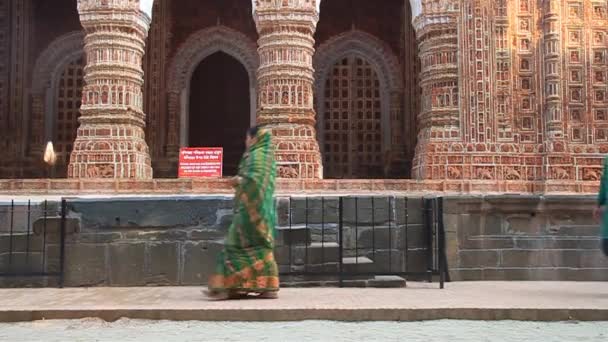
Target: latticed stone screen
(68,110)
(352,124)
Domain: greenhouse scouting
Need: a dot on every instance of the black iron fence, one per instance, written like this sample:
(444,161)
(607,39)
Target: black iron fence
(32,243)
(350,238)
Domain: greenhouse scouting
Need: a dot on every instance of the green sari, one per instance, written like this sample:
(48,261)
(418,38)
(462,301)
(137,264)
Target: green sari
(247,264)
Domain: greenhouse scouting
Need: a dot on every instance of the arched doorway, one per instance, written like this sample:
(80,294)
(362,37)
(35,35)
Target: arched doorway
(352,127)
(219,113)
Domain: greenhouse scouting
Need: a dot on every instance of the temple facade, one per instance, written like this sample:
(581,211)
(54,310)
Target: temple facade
(479,90)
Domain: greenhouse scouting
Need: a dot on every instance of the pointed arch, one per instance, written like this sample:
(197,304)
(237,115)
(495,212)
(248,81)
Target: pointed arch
(197,47)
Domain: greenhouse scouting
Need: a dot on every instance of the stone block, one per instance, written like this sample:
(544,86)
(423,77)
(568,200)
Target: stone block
(316,253)
(313,210)
(469,225)
(586,274)
(386,282)
(21,242)
(224,220)
(416,261)
(52,225)
(414,212)
(451,222)
(416,236)
(466,274)
(293,236)
(551,242)
(163,263)
(523,224)
(324,233)
(85,265)
(19,262)
(484,242)
(126,263)
(360,264)
(576,230)
(283,211)
(98,237)
(593,259)
(157,235)
(492,225)
(198,262)
(505,274)
(17,216)
(380,238)
(150,212)
(368,211)
(386,261)
(478,259)
(540,258)
(206,235)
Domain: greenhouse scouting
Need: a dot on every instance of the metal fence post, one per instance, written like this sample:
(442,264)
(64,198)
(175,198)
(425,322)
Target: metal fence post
(341,238)
(62,242)
(441,244)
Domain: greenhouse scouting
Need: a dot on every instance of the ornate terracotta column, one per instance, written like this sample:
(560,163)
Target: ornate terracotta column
(440,117)
(285,83)
(110,142)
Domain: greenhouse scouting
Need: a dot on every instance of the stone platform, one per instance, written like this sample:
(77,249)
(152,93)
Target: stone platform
(117,240)
(285,186)
(530,301)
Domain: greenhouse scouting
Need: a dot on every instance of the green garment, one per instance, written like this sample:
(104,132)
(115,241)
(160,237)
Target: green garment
(603,199)
(247,260)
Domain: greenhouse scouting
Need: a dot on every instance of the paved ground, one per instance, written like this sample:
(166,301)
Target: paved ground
(544,301)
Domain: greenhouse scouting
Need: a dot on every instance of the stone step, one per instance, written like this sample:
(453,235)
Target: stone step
(347,281)
(315,253)
(386,282)
(293,236)
(357,264)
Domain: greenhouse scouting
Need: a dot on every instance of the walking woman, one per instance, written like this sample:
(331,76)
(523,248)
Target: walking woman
(246,266)
(601,212)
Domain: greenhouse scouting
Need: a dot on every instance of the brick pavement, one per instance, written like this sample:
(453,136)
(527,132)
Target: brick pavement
(544,301)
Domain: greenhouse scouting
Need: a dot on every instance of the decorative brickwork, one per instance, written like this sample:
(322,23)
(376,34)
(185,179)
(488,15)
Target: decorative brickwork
(513,90)
(110,141)
(285,83)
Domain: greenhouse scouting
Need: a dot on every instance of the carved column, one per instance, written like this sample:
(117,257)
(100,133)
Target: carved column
(110,141)
(285,83)
(557,164)
(439,118)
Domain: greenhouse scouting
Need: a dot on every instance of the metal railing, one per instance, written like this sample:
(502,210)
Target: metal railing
(32,241)
(353,237)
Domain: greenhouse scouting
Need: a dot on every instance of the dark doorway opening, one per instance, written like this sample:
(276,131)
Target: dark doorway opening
(220,107)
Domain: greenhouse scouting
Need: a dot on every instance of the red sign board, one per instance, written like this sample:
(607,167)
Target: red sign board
(200,162)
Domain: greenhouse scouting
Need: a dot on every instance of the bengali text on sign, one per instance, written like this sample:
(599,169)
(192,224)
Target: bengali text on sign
(200,162)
